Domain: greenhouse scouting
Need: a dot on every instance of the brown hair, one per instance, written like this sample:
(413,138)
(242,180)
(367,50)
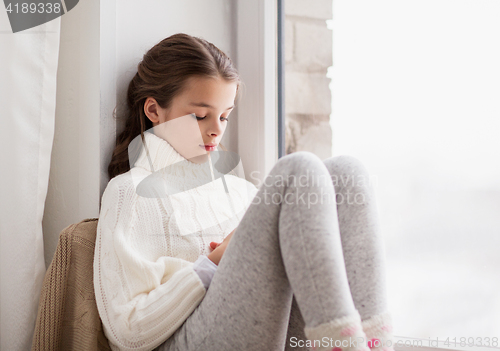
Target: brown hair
(162,75)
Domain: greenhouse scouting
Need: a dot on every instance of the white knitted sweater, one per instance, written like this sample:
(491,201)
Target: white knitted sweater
(144,281)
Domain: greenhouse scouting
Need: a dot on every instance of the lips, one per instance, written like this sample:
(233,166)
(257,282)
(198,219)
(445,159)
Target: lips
(209,147)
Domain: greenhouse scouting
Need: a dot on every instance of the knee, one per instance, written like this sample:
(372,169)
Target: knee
(300,160)
(345,168)
(300,157)
(299,163)
(345,164)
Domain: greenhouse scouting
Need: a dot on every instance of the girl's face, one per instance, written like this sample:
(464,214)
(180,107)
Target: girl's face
(197,117)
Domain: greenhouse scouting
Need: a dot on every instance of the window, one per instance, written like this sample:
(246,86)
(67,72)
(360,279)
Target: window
(416,88)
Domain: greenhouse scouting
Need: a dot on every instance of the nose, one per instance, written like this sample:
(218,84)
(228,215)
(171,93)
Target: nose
(215,128)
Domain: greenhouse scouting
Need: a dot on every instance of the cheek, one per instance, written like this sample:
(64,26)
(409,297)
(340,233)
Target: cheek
(202,128)
(165,116)
(181,132)
(224,125)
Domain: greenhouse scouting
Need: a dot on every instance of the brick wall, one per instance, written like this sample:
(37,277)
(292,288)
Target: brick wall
(308,54)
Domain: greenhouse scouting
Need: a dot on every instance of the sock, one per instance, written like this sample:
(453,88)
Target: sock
(341,334)
(378,330)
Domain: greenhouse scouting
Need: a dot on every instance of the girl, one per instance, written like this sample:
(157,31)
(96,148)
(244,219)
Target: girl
(295,264)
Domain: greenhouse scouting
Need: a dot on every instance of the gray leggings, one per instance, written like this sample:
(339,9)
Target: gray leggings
(307,250)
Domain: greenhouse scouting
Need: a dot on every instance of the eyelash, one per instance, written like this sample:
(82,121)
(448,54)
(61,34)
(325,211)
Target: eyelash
(200,118)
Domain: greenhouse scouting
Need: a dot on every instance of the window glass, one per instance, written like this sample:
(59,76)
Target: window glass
(416,87)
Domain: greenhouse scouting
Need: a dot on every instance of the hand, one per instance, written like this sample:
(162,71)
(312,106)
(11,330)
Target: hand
(219,248)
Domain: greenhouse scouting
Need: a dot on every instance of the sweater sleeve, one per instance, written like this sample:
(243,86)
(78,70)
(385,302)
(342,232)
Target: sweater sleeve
(205,269)
(141,302)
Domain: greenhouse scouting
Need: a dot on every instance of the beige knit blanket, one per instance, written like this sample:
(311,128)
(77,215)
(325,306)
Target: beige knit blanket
(67,312)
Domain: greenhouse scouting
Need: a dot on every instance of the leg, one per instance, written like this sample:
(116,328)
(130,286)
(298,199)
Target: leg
(362,243)
(295,329)
(283,244)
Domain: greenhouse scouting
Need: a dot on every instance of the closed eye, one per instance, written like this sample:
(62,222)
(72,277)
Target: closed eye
(222,118)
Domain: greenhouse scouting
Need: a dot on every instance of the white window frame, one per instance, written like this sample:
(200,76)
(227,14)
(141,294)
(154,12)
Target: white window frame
(256,43)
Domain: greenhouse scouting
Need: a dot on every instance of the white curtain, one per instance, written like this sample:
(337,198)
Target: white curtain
(28,69)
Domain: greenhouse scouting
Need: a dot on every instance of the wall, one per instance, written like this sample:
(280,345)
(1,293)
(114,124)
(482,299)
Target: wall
(308,54)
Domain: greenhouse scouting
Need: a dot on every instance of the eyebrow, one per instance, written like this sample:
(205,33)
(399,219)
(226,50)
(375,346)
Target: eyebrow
(202,104)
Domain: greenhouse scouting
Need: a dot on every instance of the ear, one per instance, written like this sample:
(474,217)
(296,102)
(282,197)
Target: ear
(151,110)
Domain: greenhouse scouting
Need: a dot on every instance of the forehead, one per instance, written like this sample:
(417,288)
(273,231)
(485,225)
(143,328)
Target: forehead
(216,92)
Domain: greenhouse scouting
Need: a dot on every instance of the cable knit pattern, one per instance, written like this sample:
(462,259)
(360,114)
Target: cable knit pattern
(144,280)
(341,334)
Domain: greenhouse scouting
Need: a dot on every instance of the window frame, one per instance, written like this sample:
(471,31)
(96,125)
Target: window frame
(256,52)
